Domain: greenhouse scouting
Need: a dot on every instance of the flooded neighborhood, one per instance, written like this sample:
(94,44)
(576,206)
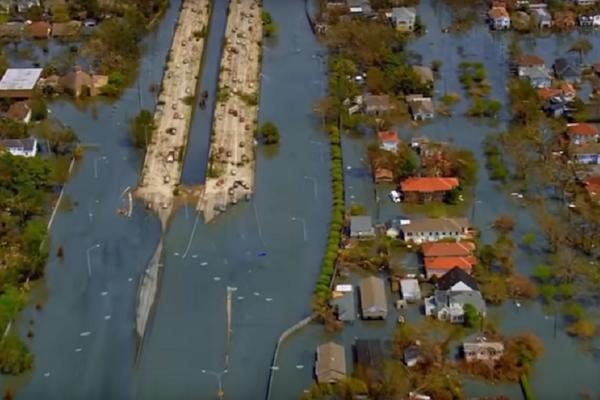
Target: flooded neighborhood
(299,199)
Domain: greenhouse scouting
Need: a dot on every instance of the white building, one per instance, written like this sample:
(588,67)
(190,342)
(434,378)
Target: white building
(21,147)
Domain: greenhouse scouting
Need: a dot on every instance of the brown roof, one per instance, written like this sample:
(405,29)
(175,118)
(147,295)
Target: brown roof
(372,296)
(448,249)
(464,263)
(76,80)
(597,68)
(62,29)
(530,60)
(19,110)
(388,136)
(498,12)
(587,148)
(424,72)
(592,185)
(582,129)
(331,363)
(383,175)
(437,225)
(428,184)
(548,93)
(38,29)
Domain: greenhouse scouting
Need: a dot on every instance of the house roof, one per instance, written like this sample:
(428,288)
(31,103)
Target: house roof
(585,149)
(424,72)
(381,101)
(410,288)
(19,110)
(473,298)
(448,263)
(404,13)
(361,223)
(437,224)
(388,136)
(530,60)
(20,78)
(448,249)
(369,353)
(548,93)
(76,80)
(498,12)
(566,67)
(11,29)
(331,362)
(535,72)
(62,29)
(38,29)
(382,174)
(477,346)
(372,294)
(567,88)
(582,129)
(346,306)
(26,144)
(592,185)
(428,184)
(454,276)
(422,105)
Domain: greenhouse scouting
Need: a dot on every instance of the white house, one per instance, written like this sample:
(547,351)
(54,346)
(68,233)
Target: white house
(21,147)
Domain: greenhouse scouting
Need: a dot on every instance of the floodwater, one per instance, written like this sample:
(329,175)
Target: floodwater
(566,369)
(84,337)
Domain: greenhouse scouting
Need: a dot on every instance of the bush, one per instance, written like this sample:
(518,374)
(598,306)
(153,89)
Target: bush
(15,357)
(269,133)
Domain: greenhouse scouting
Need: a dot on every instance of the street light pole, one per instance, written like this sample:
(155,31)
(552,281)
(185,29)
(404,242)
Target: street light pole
(87,253)
(220,393)
(315,188)
(303,226)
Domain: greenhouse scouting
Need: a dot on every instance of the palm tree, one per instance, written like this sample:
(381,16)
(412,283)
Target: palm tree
(581,46)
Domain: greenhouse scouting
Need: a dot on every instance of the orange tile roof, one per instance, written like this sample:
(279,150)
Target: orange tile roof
(388,136)
(448,249)
(548,93)
(582,129)
(383,174)
(498,12)
(428,184)
(464,263)
(592,184)
(567,88)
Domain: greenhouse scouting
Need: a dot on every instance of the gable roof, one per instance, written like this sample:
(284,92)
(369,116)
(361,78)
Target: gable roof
(566,67)
(372,295)
(450,262)
(62,29)
(388,136)
(404,13)
(380,101)
(424,72)
(582,129)
(428,184)
(17,144)
(535,72)
(530,60)
(19,110)
(361,223)
(369,353)
(38,29)
(454,276)
(548,93)
(76,80)
(447,249)
(437,224)
(498,12)
(331,362)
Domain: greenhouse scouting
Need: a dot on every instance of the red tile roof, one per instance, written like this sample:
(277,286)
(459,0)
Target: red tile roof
(448,249)
(498,12)
(388,136)
(582,129)
(464,263)
(39,29)
(530,60)
(428,184)
(548,93)
(567,88)
(592,185)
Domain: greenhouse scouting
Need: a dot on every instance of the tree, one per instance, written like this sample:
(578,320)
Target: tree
(504,224)
(581,46)
(472,316)
(269,133)
(15,358)
(269,25)
(142,128)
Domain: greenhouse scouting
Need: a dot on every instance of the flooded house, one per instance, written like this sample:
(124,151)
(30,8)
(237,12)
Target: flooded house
(12,29)
(373,300)
(567,69)
(435,229)
(498,18)
(382,174)
(581,133)
(66,29)
(388,140)
(482,350)
(38,29)
(538,76)
(410,290)
(587,153)
(20,147)
(404,18)
(361,227)
(330,366)
(369,357)
(441,257)
(427,189)
(377,104)
(19,83)
(343,303)
(19,111)
(421,108)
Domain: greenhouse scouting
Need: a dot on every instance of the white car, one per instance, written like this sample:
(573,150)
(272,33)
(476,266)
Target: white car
(395,196)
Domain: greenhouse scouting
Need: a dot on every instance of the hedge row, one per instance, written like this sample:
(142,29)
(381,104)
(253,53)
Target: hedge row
(323,285)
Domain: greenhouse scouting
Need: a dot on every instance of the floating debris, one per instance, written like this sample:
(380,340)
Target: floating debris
(78,350)
(203,264)
(130,280)
(46,374)
(107,317)
(299,366)
(256,293)
(269,299)
(86,333)
(176,254)
(194,255)
(240,297)
(217,278)
(103,293)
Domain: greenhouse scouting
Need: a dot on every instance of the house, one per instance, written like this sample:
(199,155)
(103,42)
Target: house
(361,227)
(20,147)
(410,289)
(592,186)
(19,82)
(580,133)
(38,29)
(499,18)
(382,174)
(556,108)
(394,226)
(588,153)
(530,60)
(373,300)
(454,290)
(369,355)
(424,73)
(343,303)
(439,266)
(412,355)
(404,18)
(421,108)
(585,20)
(24,5)
(542,16)
(482,351)
(377,104)
(11,29)
(585,2)
(435,229)
(538,76)
(66,29)
(426,189)
(20,111)
(448,249)
(77,83)
(359,6)
(98,82)
(388,140)
(567,69)
(568,91)
(565,20)
(330,366)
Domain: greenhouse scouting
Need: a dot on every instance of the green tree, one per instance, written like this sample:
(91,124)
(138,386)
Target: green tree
(582,46)
(142,128)
(472,316)
(15,358)
(269,25)
(269,133)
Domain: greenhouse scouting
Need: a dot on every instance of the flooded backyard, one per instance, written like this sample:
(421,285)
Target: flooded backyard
(263,255)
